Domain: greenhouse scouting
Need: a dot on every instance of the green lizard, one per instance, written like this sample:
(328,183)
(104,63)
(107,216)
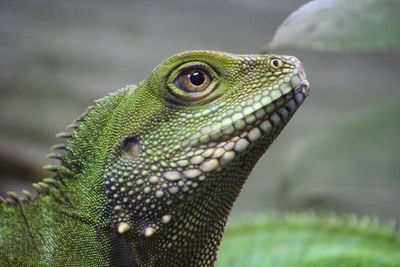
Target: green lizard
(149,174)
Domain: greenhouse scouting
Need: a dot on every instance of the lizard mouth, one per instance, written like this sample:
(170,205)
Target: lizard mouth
(233,135)
(252,122)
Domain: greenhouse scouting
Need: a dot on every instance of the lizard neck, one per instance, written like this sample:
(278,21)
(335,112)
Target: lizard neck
(192,234)
(187,230)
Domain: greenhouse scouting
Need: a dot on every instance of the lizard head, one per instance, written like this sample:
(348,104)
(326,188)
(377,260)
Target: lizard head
(192,132)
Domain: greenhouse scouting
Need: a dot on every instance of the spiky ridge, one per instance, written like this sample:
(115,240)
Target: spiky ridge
(66,152)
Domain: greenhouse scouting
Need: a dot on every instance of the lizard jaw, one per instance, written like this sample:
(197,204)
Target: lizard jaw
(248,119)
(223,145)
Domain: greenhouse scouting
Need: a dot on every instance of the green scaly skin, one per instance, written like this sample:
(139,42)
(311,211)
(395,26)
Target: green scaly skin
(149,174)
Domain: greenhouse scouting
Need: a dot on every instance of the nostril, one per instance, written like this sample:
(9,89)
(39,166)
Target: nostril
(276,63)
(305,89)
(302,73)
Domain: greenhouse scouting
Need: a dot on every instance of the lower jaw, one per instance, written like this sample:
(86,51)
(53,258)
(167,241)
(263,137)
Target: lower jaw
(277,117)
(258,129)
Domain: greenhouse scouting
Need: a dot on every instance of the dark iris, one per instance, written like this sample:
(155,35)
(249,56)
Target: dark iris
(197,78)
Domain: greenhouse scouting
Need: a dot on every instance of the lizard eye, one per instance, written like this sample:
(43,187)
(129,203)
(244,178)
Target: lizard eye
(193,81)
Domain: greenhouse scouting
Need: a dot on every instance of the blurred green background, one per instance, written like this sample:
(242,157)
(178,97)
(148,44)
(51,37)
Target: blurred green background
(340,152)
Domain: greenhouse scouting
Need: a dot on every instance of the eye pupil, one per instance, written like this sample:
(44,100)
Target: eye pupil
(196,78)
(275,62)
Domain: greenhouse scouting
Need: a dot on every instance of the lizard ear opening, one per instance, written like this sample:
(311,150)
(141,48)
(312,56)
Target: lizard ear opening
(130,148)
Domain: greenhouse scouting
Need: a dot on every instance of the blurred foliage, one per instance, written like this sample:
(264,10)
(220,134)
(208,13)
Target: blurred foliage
(364,177)
(308,239)
(347,179)
(342,25)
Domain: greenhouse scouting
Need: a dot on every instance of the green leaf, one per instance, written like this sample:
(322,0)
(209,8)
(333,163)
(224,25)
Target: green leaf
(309,239)
(342,26)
